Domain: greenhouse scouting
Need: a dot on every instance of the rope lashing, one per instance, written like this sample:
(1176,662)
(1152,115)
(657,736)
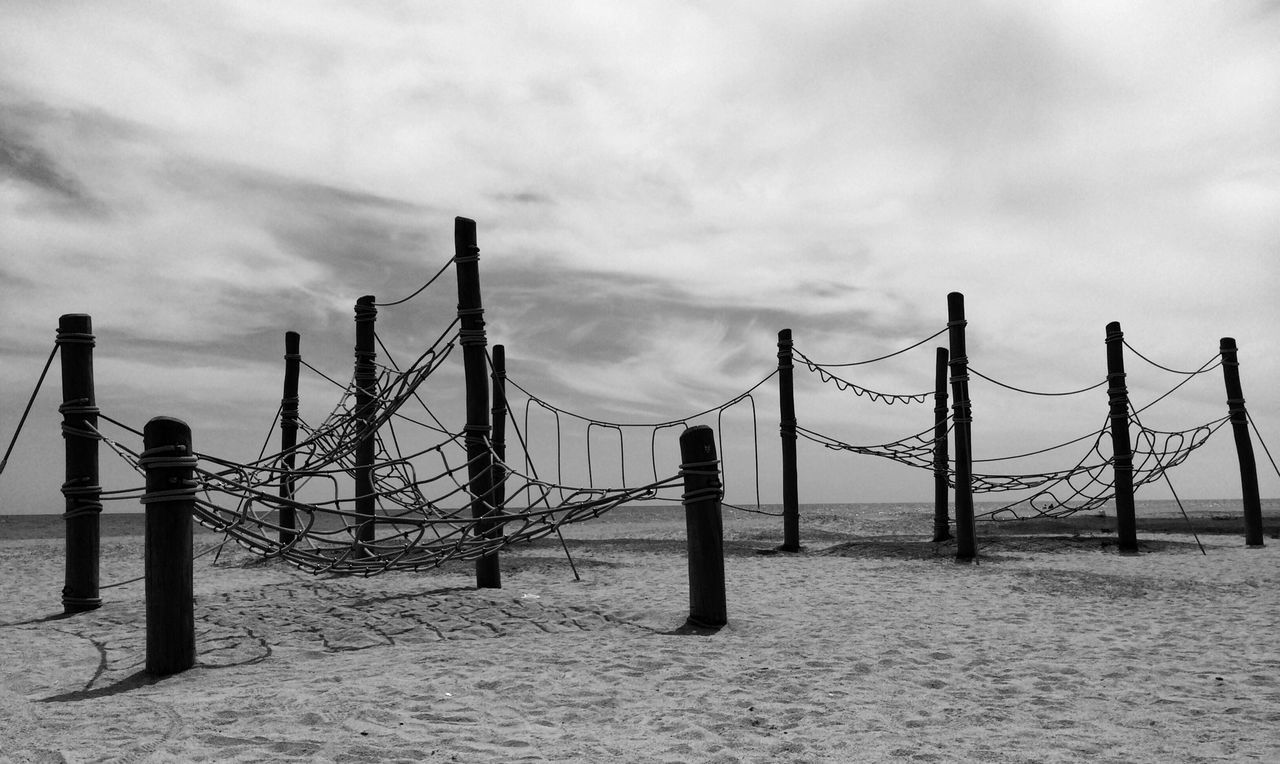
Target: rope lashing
(785,347)
(83,497)
(74,338)
(713,489)
(788,428)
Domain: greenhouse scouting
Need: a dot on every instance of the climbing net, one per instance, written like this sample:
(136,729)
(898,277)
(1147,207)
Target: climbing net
(425,506)
(1087,484)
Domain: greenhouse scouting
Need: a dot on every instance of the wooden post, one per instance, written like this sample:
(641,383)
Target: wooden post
(499,491)
(787,421)
(941,519)
(966,545)
(1244,445)
(289,435)
(1121,446)
(81,491)
(476,431)
(169,464)
(702,495)
(366,413)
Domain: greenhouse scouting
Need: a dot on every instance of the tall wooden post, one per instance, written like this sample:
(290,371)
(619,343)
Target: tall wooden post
(169,464)
(1121,445)
(81,492)
(476,431)
(941,519)
(966,544)
(289,435)
(366,413)
(499,491)
(702,496)
(787,422)
(1244,445)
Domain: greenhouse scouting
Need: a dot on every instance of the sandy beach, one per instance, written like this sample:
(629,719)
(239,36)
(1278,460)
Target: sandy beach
(870,645)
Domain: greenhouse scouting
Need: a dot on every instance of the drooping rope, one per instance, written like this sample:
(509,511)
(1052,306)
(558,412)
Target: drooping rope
(591,424)
(858,390)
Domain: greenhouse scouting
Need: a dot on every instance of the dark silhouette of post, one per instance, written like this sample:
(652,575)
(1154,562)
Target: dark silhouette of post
(169,464)
(966,543)
(289,435)
(366,414)
(702,496)
(499,439)
(81,492)
(787,428)
(941,488)
(1244,445)
(1121,445)
(471,336)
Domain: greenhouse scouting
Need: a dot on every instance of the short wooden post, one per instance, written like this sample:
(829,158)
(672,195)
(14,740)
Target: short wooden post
(702,495)
(289,435)
(471,336)
(787,427)
(1121,445)
(941,488)
(366,414)
(169,464)
(966,544)
(1244,445)
(499,440)
(81,491)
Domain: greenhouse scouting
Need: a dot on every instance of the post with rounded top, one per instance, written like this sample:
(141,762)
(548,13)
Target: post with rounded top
(476,431)
(703,492)
(169,464)
(941,488)
(366,414)
(81,491)
(1244,445)
(289,435)
(787,422)
(958,362)
(1121,445)
(499,429)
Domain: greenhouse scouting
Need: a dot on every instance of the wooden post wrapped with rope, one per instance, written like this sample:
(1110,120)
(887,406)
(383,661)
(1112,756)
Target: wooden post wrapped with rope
(941,487)
(499,439)
(471,336)
(289,435)
(966,544)
(787,428)
(366,414)
(1121,445)
(700,467)
(81,491)
(169,464)
(1239,416)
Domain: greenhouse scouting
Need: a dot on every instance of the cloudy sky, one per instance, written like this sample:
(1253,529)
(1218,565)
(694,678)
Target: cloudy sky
(659,187)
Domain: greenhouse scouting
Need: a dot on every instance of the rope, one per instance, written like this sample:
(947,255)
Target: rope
(420,289)
(888,355)
(1201,370)
(1263,443)
(30,402)
(1094,386)
(872,395)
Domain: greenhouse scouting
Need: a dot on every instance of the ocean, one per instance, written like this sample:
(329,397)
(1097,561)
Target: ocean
(1202,516)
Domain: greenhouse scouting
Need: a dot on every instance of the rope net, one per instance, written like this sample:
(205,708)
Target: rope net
(428,507)
(1087,484)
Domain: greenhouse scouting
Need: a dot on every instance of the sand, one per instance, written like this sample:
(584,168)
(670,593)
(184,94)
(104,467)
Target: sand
(861,648)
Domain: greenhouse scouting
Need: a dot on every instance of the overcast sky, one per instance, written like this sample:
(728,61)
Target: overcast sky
(660,187)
